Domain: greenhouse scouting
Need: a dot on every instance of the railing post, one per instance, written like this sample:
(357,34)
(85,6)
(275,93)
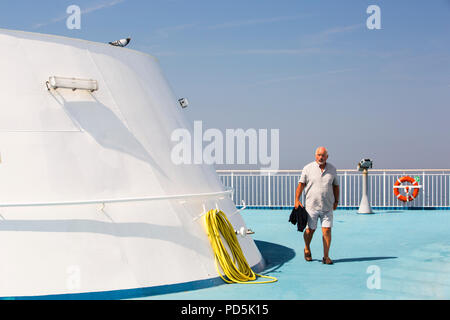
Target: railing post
(445,190)
(269,189)
(384,189)
(232,185)
(345,189)
(423,188)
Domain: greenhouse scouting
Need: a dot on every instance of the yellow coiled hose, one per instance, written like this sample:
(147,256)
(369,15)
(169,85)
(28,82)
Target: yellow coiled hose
(218,224)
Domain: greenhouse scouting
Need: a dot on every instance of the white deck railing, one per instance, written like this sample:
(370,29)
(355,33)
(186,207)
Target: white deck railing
(265,188)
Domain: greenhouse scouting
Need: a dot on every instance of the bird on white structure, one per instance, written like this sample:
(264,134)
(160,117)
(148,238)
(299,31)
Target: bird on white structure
(121,42)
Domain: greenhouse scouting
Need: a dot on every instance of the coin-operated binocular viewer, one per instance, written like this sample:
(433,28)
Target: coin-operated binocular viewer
(364,206)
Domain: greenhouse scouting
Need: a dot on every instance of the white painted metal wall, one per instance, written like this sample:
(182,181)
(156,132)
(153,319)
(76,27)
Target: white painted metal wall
(87,181)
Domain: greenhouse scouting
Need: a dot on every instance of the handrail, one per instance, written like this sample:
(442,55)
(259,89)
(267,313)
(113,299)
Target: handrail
(276,188)
(103,201)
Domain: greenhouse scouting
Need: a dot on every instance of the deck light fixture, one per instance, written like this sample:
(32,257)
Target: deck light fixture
(72,83)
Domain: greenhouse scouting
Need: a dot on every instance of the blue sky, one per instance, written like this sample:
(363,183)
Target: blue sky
(311,69)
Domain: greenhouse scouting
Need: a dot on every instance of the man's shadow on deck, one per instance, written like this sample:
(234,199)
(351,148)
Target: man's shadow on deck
(361,259)
(275,256)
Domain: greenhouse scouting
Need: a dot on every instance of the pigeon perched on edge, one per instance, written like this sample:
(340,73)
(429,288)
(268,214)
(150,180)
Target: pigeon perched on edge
(121,42)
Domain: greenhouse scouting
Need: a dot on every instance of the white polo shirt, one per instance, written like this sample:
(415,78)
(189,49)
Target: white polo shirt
(319,186)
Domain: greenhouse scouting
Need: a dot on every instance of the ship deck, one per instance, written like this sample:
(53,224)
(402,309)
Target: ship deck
(388,255)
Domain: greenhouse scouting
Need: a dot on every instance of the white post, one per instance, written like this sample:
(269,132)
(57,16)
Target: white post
(364,206)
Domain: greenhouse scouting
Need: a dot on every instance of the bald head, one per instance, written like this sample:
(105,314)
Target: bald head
(321,156)
(321,150)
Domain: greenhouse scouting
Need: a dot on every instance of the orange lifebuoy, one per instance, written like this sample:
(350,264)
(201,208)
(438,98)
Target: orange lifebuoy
(414,193)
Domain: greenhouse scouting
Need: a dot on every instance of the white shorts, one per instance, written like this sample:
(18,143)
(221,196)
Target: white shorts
(326,219)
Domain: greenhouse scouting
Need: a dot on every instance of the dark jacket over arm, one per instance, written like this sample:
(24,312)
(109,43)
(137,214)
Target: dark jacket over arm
(299,216)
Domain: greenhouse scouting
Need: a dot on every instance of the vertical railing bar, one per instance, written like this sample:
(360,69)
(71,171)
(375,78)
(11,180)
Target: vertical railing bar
(269,190)
(345,188)
(431,190)
(281,183)
(280,191)
(275,190)
(249,188)
(261,189)
(280,188)
(254,189)
(286,192)
(358,194)
(263,183)
(384,189)
(245,188)
(354,191)
(424,189)
(279,202)
(240,188)
(370,192)
(232,186)
(446,195)
(290,188)
(285,178)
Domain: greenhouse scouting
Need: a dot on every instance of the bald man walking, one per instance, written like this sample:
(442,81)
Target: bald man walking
(320,182)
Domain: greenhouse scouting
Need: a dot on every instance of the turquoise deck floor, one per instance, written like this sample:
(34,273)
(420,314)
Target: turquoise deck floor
(410,250)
